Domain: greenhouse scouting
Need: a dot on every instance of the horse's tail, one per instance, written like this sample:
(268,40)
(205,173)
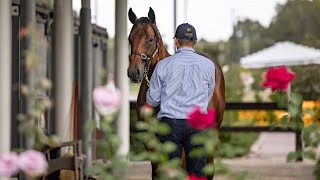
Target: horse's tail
(218,101)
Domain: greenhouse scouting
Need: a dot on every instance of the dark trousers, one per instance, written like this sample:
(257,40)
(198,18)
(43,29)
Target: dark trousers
(181,135)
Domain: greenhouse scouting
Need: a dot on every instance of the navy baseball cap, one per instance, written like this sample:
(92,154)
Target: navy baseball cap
(186,31)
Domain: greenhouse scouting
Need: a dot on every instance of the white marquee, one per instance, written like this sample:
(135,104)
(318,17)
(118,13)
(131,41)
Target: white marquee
(280,54)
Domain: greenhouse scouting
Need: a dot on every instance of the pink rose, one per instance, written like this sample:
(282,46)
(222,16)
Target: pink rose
(278,78)
(194,177)
(107,99)
(9,164)
(33,163)
(198,120)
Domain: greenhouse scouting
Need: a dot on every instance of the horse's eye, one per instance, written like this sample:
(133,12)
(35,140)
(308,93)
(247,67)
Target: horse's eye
(150,40)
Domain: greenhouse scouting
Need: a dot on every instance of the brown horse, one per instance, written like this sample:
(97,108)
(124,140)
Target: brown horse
(147,49)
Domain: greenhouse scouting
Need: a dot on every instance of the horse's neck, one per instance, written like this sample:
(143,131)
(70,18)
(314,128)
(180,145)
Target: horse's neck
(163,53)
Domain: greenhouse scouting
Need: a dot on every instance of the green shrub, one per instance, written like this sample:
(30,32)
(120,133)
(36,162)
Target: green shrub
(235,144)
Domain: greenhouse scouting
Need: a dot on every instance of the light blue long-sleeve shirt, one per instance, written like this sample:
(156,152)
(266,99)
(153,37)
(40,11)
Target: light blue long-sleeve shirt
(180,82)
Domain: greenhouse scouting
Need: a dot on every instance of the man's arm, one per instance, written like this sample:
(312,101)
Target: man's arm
(153,93)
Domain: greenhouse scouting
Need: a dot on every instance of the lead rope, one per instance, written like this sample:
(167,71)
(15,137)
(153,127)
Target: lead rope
(146,68)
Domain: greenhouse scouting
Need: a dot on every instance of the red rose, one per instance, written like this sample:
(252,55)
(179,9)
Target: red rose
(146,110)
(198,120)
(194,177)
(278,78)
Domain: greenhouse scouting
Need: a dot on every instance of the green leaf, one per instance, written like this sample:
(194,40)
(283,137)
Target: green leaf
(145,137)
(153,143)
(294,110)
(284,120)
(169,147)
(294,156)
(142,126)
(221,168)
(316,171)
(309,154)
(163,129)
(212,134)
(282,100)
(274,97)
(154,157)
(210,147)
(306,136)
(209,169)
(296,99)
(199,139)
(296,123)
(115,140)
(141,156)
(27,129)
(197,152)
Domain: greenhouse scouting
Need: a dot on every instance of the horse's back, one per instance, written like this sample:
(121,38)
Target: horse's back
(218,99)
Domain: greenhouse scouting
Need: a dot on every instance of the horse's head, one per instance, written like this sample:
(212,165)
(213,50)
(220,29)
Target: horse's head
(144,42)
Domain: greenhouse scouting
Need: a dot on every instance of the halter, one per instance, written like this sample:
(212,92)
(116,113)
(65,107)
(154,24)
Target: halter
(147,59)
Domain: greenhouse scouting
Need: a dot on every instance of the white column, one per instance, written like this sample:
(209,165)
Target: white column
(63,66)
(122,82)
(174,21)
(5,75)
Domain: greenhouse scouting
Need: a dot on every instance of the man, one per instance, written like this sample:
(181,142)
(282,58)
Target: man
(178,84)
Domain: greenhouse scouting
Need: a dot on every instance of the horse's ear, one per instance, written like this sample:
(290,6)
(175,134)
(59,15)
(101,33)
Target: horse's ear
(151,15)
(132,16)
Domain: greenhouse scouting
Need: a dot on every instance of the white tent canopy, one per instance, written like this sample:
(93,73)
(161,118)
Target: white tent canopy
(280,54)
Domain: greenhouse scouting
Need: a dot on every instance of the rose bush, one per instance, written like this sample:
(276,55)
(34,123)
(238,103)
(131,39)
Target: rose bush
(31,162)
(9,164)
(208,137)
(201,121)
(279,79)
(148,130)
(107,99)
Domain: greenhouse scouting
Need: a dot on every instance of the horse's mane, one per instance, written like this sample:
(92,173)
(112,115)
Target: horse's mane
(142,21)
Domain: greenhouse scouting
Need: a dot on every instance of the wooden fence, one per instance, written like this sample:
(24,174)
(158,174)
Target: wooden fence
(253,106)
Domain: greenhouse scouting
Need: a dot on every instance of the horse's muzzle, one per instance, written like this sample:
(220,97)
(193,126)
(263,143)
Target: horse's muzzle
(135,75)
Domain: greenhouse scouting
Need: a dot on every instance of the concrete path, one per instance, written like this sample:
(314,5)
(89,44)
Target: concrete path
(267,160)
(273,145)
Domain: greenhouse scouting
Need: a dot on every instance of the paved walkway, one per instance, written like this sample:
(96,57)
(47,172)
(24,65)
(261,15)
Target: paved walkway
(266,161)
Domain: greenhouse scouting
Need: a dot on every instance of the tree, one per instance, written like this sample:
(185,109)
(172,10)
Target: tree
(250,37)
(297,21)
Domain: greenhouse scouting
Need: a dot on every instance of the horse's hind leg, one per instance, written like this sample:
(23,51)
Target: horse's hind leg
(183,160)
